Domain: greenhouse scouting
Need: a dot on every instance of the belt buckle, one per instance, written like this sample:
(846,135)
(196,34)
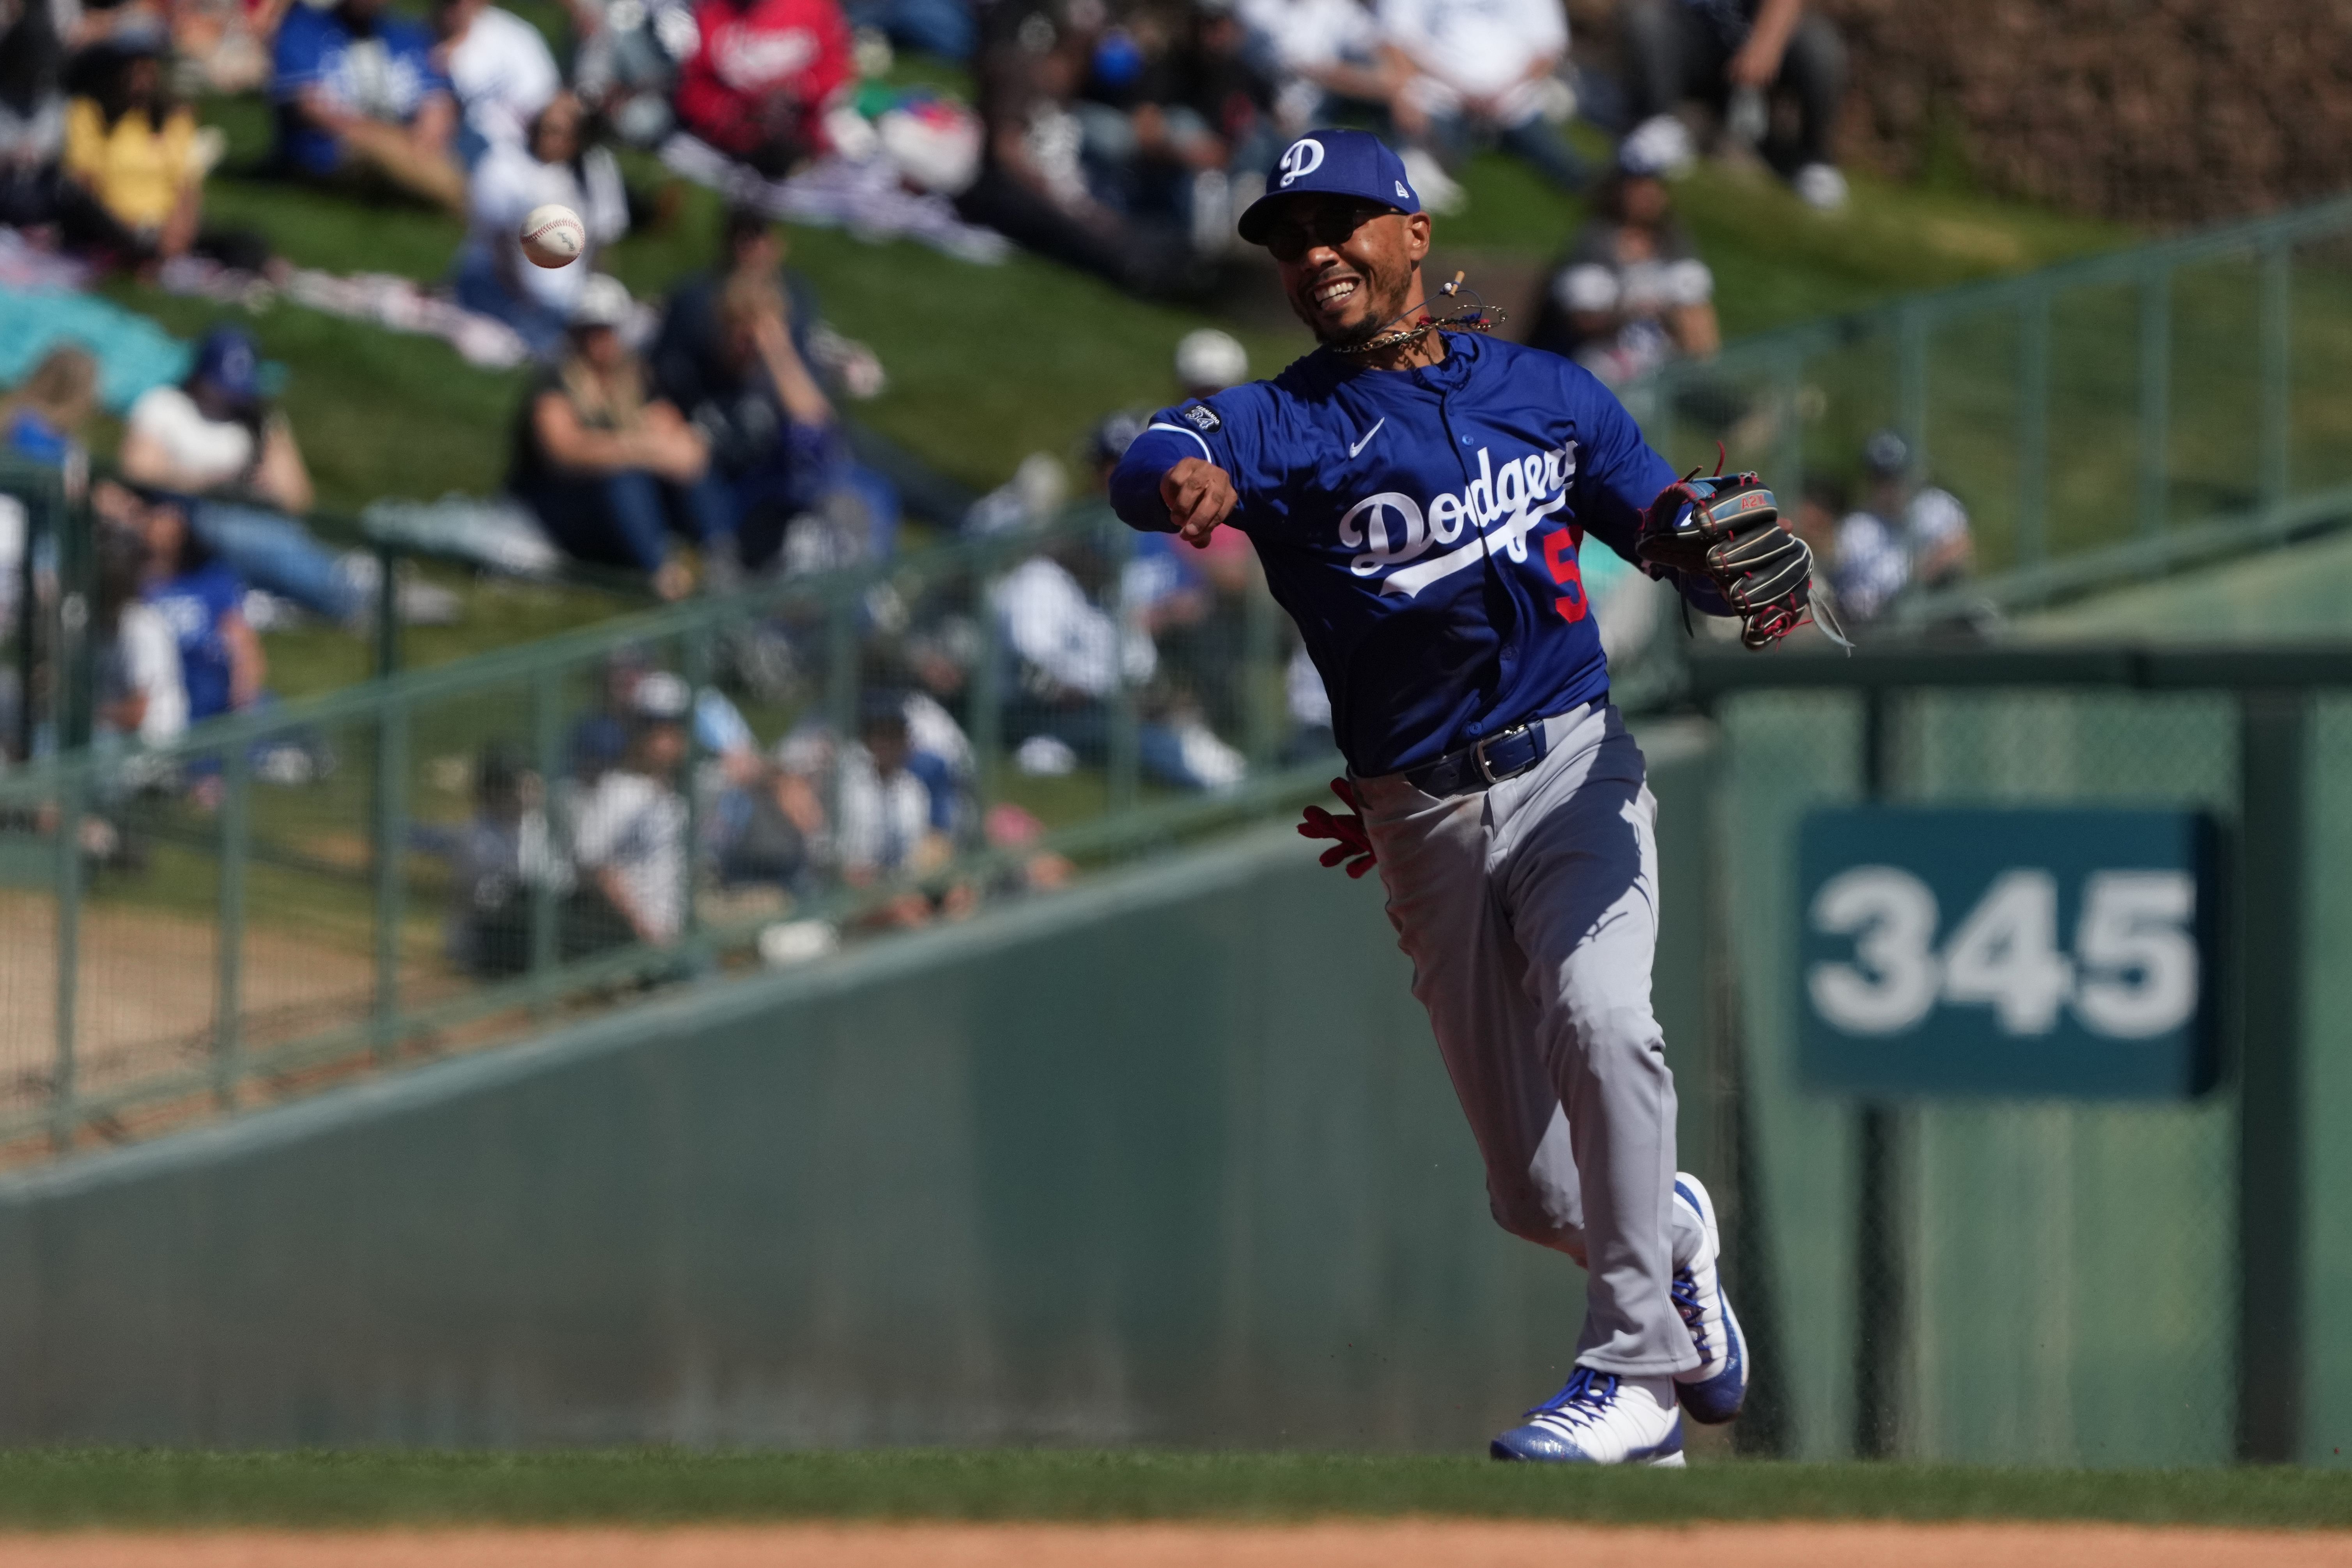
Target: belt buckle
(1478,754)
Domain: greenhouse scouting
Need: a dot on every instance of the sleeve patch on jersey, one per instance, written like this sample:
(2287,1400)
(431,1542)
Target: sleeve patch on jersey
(1200,416)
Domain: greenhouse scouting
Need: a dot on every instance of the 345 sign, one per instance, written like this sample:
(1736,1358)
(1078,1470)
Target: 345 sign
(2006,953)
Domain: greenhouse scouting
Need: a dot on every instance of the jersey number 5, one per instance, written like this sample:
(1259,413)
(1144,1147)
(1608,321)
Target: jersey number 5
(1559,554)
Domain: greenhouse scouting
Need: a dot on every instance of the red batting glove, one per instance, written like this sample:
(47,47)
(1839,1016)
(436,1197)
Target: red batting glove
(1351,842)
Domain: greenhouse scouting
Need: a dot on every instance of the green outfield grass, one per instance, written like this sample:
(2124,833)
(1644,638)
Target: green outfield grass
(61,1489)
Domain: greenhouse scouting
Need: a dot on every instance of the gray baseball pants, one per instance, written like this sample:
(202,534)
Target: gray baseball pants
(1529,911)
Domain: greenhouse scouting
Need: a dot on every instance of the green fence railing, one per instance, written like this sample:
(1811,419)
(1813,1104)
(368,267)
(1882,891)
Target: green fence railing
(281,895)
(460,854)
(2122,415)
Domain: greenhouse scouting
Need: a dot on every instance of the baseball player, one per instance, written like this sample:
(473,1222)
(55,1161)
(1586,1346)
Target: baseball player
(1419,497)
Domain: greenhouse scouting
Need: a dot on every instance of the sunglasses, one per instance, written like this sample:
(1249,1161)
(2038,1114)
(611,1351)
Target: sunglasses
(1292,237)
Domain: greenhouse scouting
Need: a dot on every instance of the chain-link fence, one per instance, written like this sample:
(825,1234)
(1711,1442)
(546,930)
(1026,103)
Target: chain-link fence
(2045,1281)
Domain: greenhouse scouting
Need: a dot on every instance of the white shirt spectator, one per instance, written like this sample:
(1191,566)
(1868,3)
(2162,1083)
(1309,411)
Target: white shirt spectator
(503,75)
(1635,288)
(635,827)
(932,729)
(1305,39)
(1933,519)
(1050,621)
(1313,34)
(509,182)
(210,452)
(151,667)
(881,821)
(1872,565)
(1484,49)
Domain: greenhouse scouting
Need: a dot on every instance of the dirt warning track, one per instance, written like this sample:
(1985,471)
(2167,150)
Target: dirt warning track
(1408,1543)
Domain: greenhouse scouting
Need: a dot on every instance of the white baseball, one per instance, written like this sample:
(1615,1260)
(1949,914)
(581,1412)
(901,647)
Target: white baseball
(553,236)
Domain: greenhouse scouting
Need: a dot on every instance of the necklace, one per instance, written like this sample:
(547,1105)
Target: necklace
(1387,340)
(1472,318)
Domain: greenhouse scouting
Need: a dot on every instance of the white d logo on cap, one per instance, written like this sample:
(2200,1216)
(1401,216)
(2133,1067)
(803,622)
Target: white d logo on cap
(1301,157)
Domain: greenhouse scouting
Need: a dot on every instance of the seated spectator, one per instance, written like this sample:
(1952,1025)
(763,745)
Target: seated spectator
(224,44)
(357,90)
(1192,605)
(43,421)
(691,344)
(1074,655)
(1325,58)
(1934,524)
(1033,186)
(629,835)
(765,72)
(140,694)
(1731,55)
(1905,535)
(797,493)
(215,433)
(1902,537)
(885,832)
(202,599)
(497,860)
(131,190)
(32,108)
(214,438)
(625,66)
(610,469)
(770,827)
(555,164)
(1473,70)
(696,366)
(1172,101)
(1630,293)
(500,71)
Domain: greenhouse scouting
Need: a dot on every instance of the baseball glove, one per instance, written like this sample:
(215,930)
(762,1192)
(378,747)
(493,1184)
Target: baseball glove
(1727,531)
(1351,842)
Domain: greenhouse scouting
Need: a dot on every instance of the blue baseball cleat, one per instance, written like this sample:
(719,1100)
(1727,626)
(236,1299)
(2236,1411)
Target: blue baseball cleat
(1714,1390)
(1600,1418)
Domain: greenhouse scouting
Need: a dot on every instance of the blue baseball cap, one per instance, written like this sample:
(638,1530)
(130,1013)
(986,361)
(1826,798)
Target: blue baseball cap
(227,358)
(1331,163)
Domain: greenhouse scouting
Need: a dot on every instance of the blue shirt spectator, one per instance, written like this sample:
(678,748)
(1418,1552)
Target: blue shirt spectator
(202,599)
(198,605)
(358,86)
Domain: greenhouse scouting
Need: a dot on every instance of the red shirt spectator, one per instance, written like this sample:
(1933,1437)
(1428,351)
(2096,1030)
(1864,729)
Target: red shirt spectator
(758,86)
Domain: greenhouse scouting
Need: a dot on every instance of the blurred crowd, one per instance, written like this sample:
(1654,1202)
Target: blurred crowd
(699,441)
(1085,642)
(603,848)
(1118,135)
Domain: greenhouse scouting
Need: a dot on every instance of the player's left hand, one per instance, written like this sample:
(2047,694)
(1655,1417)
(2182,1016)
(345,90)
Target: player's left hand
(1198,495)
(1727,531)
(1352,842)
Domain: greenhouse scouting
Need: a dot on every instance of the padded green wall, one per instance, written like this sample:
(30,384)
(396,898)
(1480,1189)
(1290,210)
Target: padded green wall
(1167,1159)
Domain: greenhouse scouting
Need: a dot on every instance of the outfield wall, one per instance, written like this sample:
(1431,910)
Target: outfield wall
(1166,1159)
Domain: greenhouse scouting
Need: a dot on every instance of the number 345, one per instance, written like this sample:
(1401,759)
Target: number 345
(2132,975)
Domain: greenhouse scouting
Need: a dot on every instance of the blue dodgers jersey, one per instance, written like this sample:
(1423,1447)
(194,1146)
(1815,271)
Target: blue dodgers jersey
(1423,528)
(386,77)
(193,604)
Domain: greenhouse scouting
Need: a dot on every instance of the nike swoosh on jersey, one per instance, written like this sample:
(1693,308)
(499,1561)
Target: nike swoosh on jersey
(1368,435)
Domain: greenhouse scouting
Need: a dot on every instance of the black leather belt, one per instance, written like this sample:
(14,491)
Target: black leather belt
(1490,762)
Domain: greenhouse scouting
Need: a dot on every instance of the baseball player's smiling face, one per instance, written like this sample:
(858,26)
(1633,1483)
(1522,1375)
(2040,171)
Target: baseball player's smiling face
(1349,267)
